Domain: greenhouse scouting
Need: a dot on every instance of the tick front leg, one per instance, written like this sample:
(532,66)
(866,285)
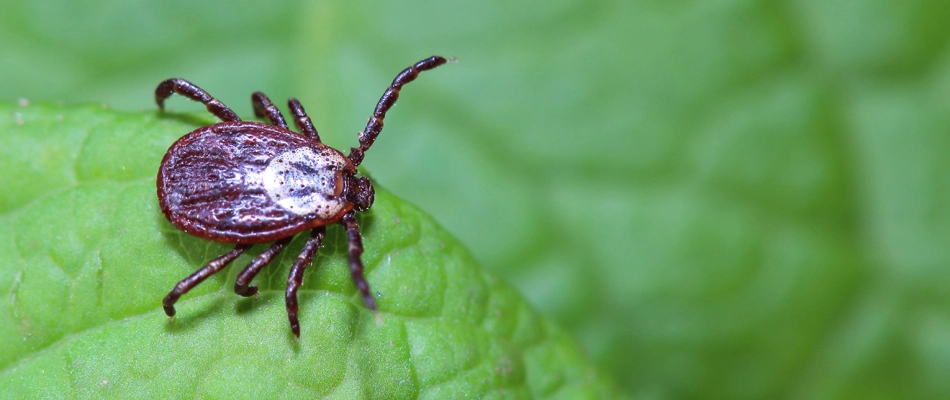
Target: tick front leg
(262,260)
(375,124)
(295,280)
(199,276)
(356,264)
(189,90)
(263,107)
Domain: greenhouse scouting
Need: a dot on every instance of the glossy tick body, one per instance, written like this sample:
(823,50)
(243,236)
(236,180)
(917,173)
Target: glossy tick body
(246,182)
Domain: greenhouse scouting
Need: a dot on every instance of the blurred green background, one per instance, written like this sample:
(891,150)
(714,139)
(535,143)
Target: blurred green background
(720,199)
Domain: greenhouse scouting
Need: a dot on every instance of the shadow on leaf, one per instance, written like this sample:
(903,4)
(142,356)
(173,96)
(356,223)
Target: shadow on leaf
(187,321)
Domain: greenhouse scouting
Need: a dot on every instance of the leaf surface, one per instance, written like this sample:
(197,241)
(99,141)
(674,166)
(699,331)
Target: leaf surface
(726,199)
(90,256)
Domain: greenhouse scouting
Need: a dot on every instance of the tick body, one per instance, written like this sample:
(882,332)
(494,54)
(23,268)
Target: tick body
(246,183)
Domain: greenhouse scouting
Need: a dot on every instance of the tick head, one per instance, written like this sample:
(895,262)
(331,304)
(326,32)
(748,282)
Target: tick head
(359,191)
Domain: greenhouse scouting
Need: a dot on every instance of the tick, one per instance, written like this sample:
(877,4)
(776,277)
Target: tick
(245,183)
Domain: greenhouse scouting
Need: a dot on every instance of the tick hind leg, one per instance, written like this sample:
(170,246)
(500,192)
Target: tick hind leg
(189,90)
(262,260)
(295,280)
(199,276)
(263,107)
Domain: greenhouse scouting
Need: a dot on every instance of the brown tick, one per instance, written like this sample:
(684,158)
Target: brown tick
(246,182)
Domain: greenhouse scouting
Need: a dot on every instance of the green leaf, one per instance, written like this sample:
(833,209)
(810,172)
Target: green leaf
(726,199)
(89,256)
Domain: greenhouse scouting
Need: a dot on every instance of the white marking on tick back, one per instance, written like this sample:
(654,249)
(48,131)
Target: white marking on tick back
(303,182)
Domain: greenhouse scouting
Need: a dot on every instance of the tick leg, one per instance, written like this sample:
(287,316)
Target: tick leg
(296,275)
(375,124)
(189,90)
(356,265)
(302,120)
(263,107)
(199,276)
(247,275)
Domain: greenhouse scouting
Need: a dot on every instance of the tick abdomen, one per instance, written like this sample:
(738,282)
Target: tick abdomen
(233,184)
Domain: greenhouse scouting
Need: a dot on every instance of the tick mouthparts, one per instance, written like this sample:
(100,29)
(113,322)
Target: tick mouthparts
(360,192)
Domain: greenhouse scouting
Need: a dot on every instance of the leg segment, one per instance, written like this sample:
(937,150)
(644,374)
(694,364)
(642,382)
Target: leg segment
(263,107)
(356,265)
(189,90)
(199,276)
(296,275)
(375,124)
(247,275)
(302,120)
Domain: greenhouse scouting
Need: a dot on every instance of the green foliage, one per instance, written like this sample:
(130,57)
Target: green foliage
(723,199)
(89,256)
